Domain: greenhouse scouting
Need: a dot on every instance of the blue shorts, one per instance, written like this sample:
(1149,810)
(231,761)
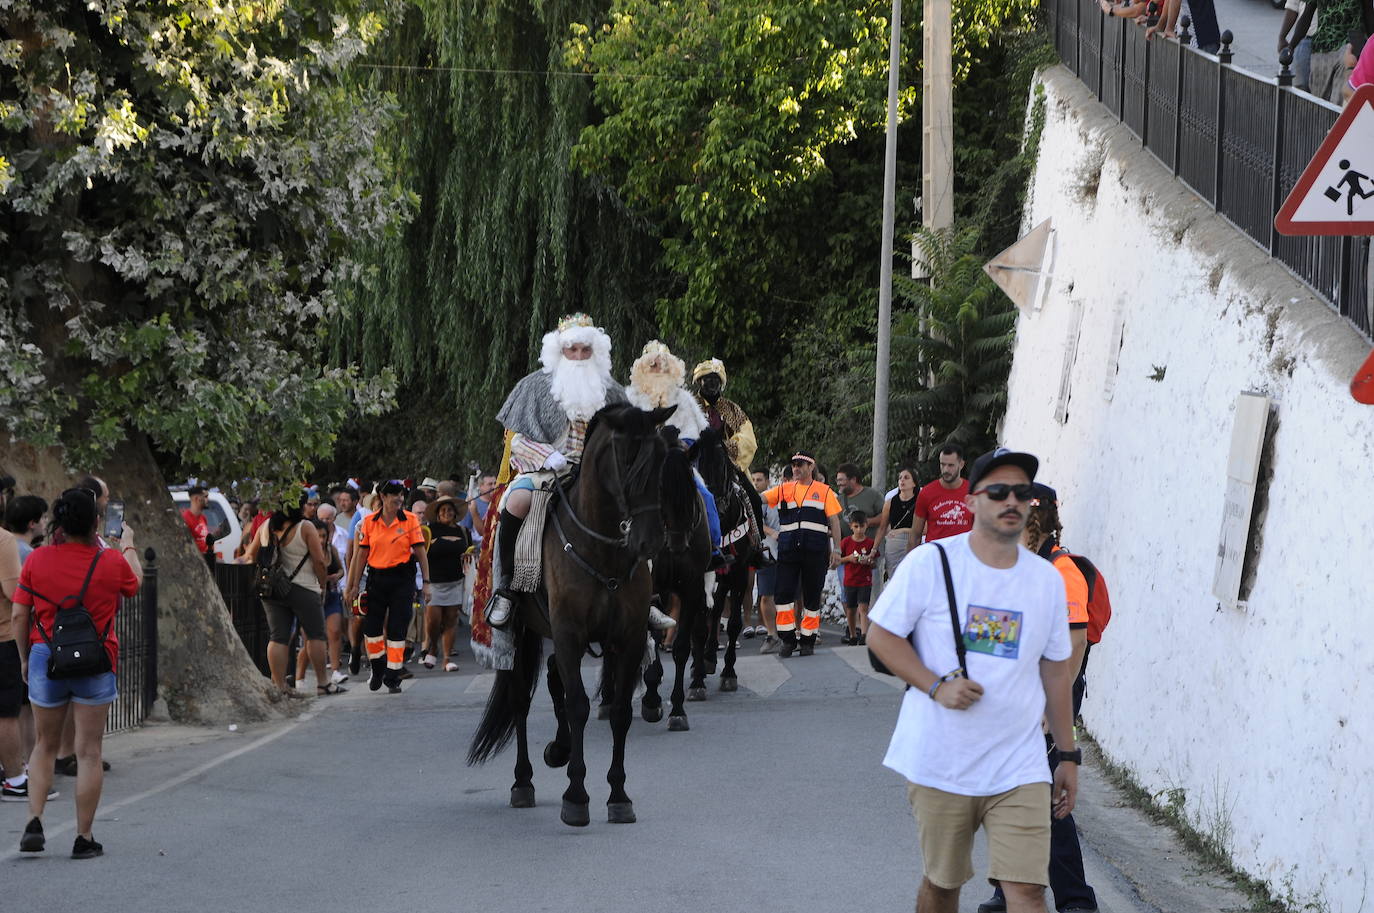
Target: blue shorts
(766,580)
(93,690)
(333,603)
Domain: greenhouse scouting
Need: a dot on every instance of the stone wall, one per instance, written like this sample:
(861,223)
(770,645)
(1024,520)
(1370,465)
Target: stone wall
(1258,720)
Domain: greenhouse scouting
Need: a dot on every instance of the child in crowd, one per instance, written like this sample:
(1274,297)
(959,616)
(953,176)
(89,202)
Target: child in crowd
(857,555)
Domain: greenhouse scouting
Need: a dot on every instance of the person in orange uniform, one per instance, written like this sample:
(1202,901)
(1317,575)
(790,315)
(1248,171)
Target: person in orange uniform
(390,542)
(1072,893)
(808,515)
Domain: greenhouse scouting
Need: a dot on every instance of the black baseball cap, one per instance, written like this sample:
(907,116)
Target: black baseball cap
(1001,457)
(1045,494)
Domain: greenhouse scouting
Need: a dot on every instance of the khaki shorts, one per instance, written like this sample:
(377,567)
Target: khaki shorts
(1017,824)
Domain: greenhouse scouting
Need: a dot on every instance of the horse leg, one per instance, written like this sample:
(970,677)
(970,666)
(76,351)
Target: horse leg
(619,808)
(556,752)
(567,651)
(608,685)
(738,576)
(682,646)
(522,793)
(651,705)
(703,656)
(712,641)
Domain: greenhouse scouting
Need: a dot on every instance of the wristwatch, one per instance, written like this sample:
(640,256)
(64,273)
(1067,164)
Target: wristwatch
(1076,756)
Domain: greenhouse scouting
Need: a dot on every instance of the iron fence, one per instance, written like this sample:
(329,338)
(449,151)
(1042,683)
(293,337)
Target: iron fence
(1238,140)
(135,626)
(235,582)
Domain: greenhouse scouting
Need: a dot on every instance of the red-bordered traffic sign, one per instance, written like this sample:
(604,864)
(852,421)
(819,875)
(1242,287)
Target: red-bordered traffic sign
(1335,195)
(1362,385)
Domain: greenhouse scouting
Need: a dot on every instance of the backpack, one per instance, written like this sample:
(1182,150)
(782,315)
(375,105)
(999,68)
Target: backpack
(76,649)
(1099,600)
(271,581)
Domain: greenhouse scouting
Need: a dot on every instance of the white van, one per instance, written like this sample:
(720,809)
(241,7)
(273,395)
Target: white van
(221,518)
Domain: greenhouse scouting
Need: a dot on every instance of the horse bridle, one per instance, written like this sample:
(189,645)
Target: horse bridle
(627,515)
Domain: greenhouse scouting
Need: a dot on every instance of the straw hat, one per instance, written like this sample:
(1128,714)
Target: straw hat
(432,511)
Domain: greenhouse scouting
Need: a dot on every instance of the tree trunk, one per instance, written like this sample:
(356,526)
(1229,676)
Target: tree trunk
(205,673)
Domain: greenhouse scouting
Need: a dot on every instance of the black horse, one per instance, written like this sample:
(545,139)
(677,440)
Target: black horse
(727,484)
(596,586)
(680,570)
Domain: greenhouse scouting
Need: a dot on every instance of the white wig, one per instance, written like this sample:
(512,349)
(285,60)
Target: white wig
(571,331)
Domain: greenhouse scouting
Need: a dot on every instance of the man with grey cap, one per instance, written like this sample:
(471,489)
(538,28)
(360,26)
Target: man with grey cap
(969,740)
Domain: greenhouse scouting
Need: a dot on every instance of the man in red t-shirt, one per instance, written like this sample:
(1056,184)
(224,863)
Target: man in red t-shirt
(940,507)
(195,519)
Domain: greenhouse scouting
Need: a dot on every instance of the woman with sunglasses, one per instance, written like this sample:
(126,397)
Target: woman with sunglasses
(79,565)
(809,540)
(390,543)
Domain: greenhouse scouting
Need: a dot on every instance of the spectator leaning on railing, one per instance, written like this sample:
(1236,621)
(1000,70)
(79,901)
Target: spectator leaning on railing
(1302,49)
(1331,40)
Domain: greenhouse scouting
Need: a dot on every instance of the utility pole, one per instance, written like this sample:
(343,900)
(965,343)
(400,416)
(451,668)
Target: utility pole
(882,376)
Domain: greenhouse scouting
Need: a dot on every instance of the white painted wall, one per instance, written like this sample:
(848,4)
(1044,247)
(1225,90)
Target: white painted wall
(1262,716)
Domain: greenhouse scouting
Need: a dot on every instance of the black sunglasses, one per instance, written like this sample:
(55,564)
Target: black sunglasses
(801,462)
(1024,493)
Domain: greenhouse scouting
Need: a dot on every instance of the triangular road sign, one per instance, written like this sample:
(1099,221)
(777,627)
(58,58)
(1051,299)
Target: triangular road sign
(1362,385)
(1335,195)
(1019,269)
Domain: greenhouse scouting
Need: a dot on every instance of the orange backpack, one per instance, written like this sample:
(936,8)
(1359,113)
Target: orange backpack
(1099,600)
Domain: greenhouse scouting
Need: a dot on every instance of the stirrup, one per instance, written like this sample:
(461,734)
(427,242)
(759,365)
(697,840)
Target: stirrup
(659,621)
(499,608)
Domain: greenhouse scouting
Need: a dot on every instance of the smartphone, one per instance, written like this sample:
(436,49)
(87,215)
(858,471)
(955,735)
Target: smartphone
(114,520)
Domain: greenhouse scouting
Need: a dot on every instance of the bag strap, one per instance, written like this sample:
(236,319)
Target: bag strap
(959,648)
(90,572)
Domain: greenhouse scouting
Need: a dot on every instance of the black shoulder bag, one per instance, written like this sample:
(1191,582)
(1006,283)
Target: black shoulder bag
(75,648)
(271,581)
(959,648)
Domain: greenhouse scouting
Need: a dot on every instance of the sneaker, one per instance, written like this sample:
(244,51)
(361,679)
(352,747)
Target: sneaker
(10,792)
(807,650)
(770,644)
(65,766)
(301,685)
(393,688)
(747,632)
(338,677)
(355,663)
(374,682)
(994,904)
(450,666)
(33,840)
(429,661)
(788,648)
(405,673)
(86,849)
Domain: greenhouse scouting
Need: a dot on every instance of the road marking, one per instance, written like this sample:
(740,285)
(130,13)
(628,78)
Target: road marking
(105,810)
(482,684)
(762,675)
(859,660)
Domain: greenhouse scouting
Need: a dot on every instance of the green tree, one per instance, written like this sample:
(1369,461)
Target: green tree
(507,239)
(181,188)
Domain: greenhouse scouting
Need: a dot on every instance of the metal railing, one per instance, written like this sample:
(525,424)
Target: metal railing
(1237,140)
(235,582)
(136,627)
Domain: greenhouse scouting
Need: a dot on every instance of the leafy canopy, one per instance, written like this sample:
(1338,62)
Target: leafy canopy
(181,189)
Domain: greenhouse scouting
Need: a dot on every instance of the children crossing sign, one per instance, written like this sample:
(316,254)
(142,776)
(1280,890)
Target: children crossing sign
(1335,195)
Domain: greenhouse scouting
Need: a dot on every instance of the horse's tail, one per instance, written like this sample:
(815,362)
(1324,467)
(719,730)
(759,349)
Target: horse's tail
(509,701)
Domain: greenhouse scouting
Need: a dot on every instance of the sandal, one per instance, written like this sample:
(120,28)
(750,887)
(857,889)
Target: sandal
(331,688)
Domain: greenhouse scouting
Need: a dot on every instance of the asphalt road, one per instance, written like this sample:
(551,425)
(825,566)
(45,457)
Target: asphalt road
(775,800)
(1254,26)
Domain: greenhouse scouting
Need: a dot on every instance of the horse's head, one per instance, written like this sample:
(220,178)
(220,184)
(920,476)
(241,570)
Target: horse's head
(712,461)
(626,452)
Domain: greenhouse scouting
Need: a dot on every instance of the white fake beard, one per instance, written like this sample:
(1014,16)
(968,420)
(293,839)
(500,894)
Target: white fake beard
(660,389)
(578,387)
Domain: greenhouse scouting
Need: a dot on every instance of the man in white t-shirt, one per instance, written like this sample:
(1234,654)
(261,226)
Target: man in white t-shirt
(971,746)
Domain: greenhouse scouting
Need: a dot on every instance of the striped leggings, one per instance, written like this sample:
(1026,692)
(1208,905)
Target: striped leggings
(804,571)
(389,607)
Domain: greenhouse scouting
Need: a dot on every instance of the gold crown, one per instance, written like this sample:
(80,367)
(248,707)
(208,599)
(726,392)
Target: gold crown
(653,348)
(575,320)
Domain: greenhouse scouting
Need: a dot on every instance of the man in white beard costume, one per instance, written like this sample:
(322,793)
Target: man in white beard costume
(656,380)
(547,414)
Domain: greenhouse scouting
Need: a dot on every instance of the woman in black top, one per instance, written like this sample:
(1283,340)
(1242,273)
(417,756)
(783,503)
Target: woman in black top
(448,555)
(895,530)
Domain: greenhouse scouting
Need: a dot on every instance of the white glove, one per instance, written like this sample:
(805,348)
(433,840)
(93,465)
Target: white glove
(556,461)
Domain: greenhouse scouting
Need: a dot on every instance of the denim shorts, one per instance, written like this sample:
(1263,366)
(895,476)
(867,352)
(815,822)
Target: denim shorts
(93,690)
(766,580)
(333,603)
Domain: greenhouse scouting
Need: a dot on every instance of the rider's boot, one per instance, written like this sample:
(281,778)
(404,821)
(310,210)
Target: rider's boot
(502,602)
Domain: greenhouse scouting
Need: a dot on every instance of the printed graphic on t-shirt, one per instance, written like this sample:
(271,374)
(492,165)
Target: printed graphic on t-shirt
(994,632)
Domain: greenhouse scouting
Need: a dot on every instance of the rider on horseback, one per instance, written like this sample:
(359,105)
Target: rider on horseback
(656,380)
(734,426)
(547,415)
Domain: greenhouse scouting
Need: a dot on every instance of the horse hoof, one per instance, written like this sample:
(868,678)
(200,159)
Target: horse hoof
(651,714)
(696,694)
(522,797)
(603,712)
(555,755)
(620,812)
(678,724)
(576,814)
(729,684)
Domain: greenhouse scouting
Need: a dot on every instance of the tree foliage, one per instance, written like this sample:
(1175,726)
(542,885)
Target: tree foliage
(508,238)
(181,190)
